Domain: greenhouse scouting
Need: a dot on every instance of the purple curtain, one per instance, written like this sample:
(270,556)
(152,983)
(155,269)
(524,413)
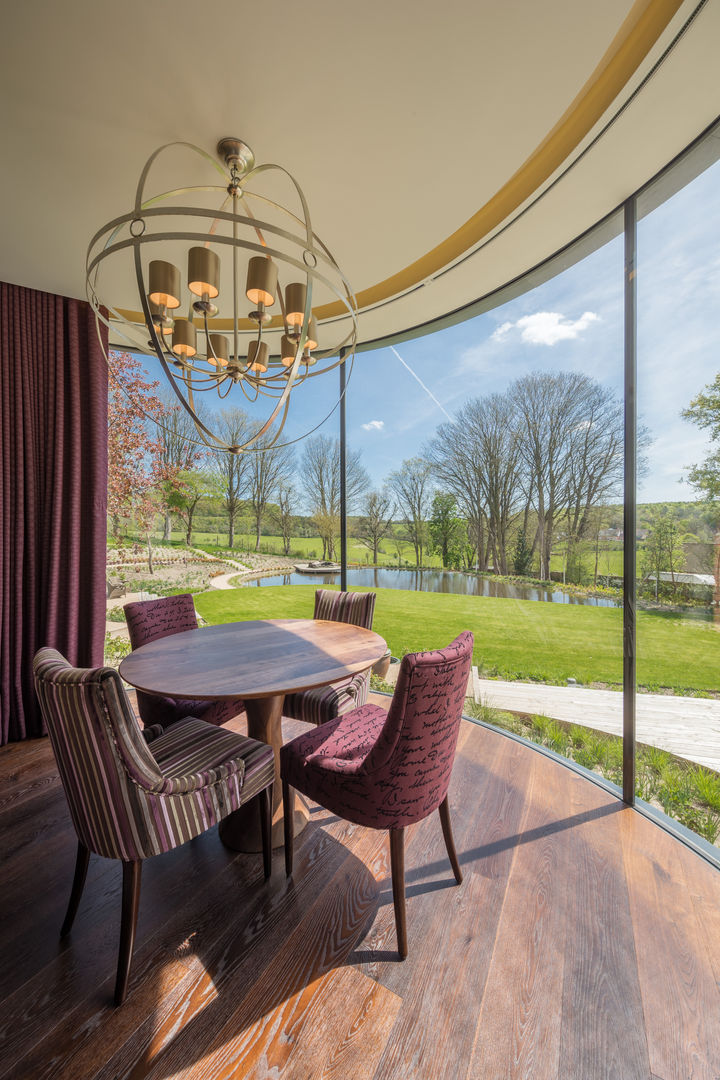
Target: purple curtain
(53,493)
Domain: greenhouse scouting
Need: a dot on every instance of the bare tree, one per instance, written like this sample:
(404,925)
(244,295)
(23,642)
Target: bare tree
(284,500)
(477,458)
(411,485)
(375,523)
(321,482)
(233,470)
(569,428)
(270,469)
(596,468)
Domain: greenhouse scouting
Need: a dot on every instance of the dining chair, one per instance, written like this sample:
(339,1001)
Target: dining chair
(324,703)
(133,794)
(151,619)
(387,770)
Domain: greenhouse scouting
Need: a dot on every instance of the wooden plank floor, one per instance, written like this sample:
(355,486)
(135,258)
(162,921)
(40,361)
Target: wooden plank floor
(583,943)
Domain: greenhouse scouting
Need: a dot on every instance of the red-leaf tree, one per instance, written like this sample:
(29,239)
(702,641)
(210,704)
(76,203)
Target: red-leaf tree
(136,470)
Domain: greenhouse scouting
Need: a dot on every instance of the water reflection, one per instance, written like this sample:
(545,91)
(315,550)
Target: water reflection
(440,581)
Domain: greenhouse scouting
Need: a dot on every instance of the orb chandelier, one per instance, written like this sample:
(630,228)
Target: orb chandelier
(242,249)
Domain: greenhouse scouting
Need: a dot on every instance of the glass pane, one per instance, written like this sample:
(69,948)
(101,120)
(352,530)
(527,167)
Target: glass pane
(495,449)
(678,714)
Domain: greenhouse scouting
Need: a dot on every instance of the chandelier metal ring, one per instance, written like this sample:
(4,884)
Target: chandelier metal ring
(284,266)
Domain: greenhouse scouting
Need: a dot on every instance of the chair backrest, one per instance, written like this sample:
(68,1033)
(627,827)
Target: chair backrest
(149,620)
(100,751)
(356,608)
(413,756)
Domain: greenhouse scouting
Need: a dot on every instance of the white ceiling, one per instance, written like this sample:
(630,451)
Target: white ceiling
(400,121)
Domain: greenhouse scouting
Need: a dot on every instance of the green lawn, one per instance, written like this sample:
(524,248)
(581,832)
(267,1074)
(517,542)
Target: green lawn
(516,639)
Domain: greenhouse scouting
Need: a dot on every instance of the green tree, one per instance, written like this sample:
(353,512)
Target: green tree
(663,552)
(447,529)
(191,485)
(522,555)
(704,410)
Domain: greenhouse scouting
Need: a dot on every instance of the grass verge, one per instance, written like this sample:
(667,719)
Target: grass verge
(686,792)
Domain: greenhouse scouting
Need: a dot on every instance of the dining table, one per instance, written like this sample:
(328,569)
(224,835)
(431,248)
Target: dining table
(259,661)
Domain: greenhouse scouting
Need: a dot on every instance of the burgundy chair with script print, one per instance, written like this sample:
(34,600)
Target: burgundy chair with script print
(387,770)
(149,620)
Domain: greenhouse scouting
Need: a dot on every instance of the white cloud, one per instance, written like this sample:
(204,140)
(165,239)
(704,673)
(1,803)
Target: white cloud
(547,327)
(373,425)
(502,331)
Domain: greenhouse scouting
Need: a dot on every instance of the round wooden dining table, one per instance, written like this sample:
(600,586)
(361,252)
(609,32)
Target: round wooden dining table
(260,662)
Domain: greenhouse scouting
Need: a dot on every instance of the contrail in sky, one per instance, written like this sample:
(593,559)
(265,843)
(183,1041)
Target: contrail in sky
(425,388)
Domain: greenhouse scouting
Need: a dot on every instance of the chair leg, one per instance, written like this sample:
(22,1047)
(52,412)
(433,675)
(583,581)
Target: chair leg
(265,803)
(397,870)
(288,795)
(444,811)
(130,905)
(81,865)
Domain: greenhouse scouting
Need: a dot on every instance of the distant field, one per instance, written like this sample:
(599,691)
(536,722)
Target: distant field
(516,639)
(310,547)
(610,562)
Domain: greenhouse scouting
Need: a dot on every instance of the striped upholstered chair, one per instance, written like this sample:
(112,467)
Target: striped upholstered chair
(326,702)
(134,794)
(151,619)
(388,770)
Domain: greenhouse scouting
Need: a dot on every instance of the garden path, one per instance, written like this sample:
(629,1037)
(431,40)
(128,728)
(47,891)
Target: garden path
(687,727)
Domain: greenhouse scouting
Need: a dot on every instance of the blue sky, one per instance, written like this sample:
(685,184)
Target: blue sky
(573,322)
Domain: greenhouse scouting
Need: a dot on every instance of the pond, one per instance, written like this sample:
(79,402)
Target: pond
(442,581)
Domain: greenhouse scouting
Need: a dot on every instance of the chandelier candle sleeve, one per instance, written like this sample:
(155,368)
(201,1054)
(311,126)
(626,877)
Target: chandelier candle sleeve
(288,351)
(203,272)
(295,295)
(220,347)
(261,281)
(257,356)
(184,338)
(164,284)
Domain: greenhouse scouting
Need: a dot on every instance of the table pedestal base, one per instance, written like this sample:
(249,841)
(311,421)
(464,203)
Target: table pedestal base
(241,829)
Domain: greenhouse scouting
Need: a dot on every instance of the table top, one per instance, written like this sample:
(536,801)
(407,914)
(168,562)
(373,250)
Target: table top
(252,659)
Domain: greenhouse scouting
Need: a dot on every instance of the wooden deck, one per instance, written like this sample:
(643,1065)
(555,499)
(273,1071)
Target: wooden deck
(583,943)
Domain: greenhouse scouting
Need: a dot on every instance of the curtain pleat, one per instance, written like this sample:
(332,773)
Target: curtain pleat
(53,493)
